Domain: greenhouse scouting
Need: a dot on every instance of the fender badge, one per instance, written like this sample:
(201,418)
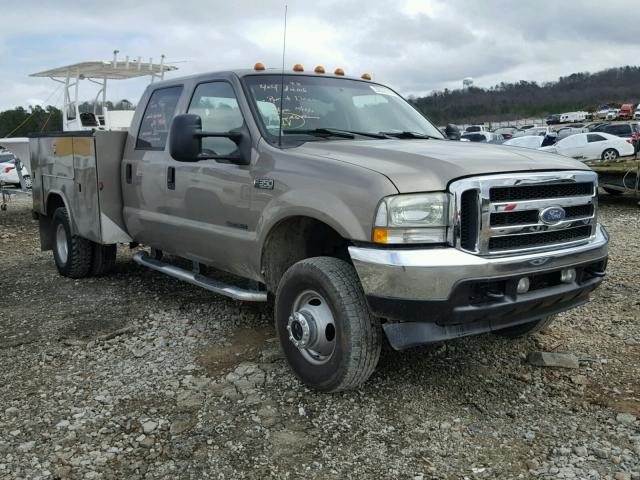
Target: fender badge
(263,183)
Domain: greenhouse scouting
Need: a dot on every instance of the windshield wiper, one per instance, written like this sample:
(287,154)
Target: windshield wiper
(336,132)
(408,135)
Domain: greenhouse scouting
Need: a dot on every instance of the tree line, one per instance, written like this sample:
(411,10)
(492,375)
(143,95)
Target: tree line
(20,121)
(525,99)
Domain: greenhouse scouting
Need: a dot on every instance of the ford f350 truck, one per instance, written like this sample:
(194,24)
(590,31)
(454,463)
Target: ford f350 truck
(337,199)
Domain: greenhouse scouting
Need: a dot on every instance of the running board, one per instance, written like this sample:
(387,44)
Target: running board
(237,293)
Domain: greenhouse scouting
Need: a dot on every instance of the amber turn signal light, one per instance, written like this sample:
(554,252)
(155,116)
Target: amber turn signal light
(380,235)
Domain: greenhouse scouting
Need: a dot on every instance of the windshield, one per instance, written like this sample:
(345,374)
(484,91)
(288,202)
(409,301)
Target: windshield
(332,105)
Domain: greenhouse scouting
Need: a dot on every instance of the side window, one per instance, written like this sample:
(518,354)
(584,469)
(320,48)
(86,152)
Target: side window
(157,117)
(619,130)
(592,137)
(217,106)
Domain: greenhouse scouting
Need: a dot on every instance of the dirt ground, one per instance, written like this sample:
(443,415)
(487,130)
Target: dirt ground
(138,376)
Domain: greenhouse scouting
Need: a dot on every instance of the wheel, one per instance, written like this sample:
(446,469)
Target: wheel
(610,154)
(103,258)
(526,328)
(27,182)
(329,337)
(613,192)
(71,253)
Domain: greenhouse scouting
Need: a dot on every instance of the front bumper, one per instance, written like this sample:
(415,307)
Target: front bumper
(434,294)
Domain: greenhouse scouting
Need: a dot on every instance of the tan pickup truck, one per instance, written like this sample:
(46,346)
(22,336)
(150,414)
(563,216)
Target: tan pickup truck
(336,199)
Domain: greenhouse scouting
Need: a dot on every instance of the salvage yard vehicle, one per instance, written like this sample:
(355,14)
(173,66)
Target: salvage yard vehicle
(9,172)
(592,146)
(334,198)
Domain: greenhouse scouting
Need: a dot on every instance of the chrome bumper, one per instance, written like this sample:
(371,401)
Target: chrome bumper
(432,274)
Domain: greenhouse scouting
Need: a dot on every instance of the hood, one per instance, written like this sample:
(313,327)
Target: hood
(429,165)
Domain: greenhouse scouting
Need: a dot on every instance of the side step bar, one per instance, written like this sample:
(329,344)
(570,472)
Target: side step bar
(210,284)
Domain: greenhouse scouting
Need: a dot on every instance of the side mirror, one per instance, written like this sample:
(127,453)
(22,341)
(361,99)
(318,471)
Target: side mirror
(185,143)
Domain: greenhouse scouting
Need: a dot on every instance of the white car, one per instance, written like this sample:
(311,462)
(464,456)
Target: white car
(482,137)
(528,141)
(9,173)
(592,146)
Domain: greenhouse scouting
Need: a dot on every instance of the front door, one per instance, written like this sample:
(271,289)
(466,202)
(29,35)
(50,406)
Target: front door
(217,224)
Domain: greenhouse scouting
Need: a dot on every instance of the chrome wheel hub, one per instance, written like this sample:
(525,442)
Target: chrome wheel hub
(61,244)
(311,327)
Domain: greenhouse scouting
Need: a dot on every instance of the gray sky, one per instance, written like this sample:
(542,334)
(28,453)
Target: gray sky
(415,46)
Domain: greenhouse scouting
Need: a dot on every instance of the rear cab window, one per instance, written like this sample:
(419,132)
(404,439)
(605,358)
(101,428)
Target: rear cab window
(156,120)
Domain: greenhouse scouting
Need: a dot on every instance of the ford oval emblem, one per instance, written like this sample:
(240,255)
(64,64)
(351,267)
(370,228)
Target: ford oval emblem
(552,215)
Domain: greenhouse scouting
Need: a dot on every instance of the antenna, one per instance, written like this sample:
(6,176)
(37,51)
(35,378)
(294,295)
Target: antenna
(284,47)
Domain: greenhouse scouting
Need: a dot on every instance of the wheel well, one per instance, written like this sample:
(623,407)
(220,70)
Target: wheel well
(54,201)
(295,239)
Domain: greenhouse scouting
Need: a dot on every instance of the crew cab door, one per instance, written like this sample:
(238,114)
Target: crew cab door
(217,226)
(147,201)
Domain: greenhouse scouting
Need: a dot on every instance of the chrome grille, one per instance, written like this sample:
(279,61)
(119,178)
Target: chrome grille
(501,214)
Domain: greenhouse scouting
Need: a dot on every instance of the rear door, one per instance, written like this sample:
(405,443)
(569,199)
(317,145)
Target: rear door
(147,200)
(595,146)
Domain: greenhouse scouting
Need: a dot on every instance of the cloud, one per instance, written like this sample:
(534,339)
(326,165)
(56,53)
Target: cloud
(414,45)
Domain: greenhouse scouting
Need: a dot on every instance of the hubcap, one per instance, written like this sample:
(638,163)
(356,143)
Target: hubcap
(609,155)
(61,244)
(312,328)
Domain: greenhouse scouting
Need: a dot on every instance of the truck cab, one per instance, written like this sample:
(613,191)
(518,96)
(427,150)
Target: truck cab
(332,197)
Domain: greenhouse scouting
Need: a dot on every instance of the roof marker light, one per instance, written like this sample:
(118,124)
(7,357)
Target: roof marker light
(366,76)
(339,71)
(259,66)
(319,69)
(298,68)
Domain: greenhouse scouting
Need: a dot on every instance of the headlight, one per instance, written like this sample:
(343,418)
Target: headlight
(414,218)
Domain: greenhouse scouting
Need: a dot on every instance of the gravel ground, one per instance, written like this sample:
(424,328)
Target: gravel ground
(138,376)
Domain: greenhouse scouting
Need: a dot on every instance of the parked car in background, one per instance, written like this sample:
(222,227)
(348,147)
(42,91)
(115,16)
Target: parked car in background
(506,132)
(636,115)
(553,119)
(528,141)
(568,131)
(628,131)
(602,113)
(592,146)
(482,137)
(626,111)
(596,126)
(9,173)
(527,127)
(475,128)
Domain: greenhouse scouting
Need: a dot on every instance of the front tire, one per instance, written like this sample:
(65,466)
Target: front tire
(71,253)
(525,329)
(609,155)
(329,337)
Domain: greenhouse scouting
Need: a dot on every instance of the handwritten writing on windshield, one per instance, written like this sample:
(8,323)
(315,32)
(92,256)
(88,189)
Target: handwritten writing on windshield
(296,111)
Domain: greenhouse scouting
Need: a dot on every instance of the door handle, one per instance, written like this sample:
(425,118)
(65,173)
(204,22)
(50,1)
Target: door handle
(171,178)
(127,172)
